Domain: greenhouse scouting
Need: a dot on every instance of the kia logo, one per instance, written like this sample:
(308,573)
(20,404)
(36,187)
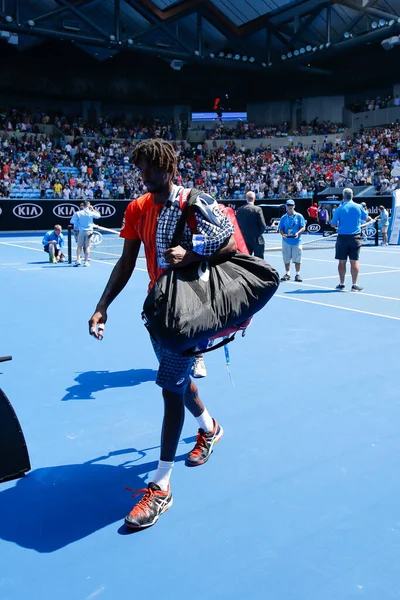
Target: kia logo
(65,211)
(314,228)
(106,210)
(27,211)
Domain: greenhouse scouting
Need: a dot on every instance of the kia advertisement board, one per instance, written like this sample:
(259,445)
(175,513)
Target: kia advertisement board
(41,215)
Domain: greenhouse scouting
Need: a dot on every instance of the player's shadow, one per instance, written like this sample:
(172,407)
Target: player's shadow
(95,381)
(55,506)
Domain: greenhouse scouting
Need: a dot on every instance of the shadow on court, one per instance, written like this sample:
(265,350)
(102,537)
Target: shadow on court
(96,381)
(56,506)
(308,292)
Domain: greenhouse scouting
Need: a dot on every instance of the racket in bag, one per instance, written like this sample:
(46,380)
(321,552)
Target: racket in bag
(188,306)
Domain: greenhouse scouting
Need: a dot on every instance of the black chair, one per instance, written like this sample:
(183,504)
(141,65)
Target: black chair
(14,457)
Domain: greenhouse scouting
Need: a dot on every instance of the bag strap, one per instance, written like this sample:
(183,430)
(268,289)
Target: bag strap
(180,226)
(223,342)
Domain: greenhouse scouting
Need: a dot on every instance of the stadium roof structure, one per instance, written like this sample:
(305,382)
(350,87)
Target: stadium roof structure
(245,34)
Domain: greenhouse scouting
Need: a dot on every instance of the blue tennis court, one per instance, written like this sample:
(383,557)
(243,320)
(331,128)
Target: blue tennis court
(298,501)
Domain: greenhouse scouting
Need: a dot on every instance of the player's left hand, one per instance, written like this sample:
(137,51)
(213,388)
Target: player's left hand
(177,256)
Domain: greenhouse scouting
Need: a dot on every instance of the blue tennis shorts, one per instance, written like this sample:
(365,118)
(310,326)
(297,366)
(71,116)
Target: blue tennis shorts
(174,369)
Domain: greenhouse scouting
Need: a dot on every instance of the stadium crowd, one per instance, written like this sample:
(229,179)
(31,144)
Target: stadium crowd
(248,130)
(101,168)
(375,103)
(22,121)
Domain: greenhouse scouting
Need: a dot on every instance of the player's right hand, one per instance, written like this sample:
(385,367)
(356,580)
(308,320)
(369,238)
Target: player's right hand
(96,324)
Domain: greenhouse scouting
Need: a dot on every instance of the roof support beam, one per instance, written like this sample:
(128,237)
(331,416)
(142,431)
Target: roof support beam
(84,18)
(367,10)
(200,33)
(117,20)
(307,23)
(152,18)
(328,23)
(59,11)
(353,24)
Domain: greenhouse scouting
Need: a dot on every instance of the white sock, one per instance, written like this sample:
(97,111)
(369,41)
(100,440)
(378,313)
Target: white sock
(205,421)
(163,473)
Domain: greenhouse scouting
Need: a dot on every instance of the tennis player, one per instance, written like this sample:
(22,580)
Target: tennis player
(152,219)
(348,218)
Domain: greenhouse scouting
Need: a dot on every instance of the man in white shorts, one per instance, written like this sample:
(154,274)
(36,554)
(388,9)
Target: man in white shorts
(82,221)
(383,220)
(291,226)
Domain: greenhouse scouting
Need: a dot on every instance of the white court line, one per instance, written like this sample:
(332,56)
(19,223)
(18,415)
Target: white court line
(116,255)
(381,251)
(364,312)
(19,246)
(322,287)
(97,252)
(348,275)
(103,262)
(363,264)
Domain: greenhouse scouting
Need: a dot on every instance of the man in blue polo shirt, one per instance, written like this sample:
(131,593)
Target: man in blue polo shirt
(53,242)
(348,219)
(291,226)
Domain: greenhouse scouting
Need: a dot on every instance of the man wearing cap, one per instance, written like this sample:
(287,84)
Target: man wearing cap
(291,226)
(348,218)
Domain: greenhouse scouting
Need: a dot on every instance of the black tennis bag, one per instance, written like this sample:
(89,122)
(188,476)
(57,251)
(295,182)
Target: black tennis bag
(188,306)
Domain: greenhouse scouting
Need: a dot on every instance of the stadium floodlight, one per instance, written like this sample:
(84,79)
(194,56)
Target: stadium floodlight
(308,48)
(374,24)
(221,55)
(315,48)
(296,53)
(237,57)
(347,35)
(31,23)
(9,19)
(270,64)
(302,50)
(263,64)
(391,22)
(289,54)
(382,23)
(229,55)
(252,59)
(212,55)
(327,44)
(197,53)
(244,58)
(283,57)
(112,38)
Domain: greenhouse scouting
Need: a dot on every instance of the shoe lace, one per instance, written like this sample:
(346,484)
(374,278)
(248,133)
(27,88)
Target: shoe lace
(201,443)
(148,493)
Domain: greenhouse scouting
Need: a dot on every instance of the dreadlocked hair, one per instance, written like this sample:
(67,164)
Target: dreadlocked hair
(158,153)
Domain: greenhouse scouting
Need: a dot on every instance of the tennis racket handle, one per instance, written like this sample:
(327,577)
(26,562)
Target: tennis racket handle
(5,358)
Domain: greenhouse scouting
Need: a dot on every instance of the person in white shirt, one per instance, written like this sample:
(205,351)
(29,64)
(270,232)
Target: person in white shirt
(82,221)
(383,220)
